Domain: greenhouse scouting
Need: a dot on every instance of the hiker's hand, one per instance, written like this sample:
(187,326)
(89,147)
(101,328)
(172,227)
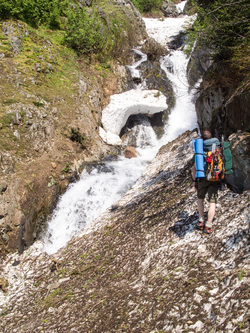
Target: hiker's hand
(195,183)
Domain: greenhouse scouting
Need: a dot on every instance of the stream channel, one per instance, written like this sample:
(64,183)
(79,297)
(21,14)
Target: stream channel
(104,184)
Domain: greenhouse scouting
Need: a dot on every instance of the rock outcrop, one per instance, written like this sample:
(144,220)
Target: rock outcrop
(223,93)
(169,9)
(142,266)
(240,148)
(199,62)
(223,108)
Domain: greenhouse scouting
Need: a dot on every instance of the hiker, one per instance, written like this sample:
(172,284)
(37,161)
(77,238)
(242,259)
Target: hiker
(204,186)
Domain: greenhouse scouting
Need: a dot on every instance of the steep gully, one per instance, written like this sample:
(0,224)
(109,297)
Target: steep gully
(140,266)
(100,186)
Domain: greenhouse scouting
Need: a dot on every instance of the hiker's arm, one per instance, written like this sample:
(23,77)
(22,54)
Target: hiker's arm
(193,171)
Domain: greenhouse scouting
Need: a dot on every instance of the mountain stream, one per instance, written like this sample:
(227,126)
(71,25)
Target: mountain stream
(104,184)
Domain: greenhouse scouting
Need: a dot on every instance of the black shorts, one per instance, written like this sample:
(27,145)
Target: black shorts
(204,187)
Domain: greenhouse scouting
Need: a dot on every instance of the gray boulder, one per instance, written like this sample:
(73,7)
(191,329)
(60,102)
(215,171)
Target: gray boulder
(169,9)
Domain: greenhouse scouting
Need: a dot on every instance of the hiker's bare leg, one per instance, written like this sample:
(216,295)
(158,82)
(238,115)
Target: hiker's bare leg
(211,213)
(201,208)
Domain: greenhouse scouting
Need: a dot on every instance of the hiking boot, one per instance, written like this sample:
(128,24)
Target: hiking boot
(200,225)
(207,230)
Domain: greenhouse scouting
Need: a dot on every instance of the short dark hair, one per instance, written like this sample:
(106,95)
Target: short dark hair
(206,135)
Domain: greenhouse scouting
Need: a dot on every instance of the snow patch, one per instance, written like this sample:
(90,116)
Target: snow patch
(121,106)
(169,27)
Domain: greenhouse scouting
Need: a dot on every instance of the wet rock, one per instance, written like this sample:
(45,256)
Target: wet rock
(153,49)
(130,152)
(240,148)
(199,62)
(177,42)
(154,77)
(222,105)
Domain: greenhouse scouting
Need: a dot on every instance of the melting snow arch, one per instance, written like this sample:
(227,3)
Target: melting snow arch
(121,106)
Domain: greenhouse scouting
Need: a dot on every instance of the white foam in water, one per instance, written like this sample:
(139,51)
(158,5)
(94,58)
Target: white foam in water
(92,195)
(86,199)
(183,116)
(135,73)
(180,6)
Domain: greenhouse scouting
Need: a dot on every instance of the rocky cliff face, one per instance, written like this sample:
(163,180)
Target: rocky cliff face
(51,103)
(240,148)
(142,266)
(222,106)
(223,101)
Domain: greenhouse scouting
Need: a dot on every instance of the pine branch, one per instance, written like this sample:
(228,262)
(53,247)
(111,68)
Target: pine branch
(226,5)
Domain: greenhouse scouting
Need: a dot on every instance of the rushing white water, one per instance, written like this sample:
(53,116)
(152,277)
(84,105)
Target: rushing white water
(90,196)
(98,189)
(180,6)
(183,116)
(135,72)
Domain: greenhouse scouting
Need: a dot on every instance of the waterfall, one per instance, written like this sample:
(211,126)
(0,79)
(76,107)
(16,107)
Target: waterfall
(106,183)
(182,116)
(135,72)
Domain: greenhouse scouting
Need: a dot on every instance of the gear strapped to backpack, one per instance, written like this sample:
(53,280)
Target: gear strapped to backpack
(215,166)
(215,169)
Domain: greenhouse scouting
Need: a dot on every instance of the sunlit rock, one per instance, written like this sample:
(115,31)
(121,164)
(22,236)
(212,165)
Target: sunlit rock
(130,152)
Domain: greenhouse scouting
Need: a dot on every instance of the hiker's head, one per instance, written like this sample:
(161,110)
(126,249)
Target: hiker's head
(206,135)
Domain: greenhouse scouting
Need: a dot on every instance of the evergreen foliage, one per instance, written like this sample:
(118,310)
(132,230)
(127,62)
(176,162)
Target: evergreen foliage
(35,12)
(83,32)
(223,25)
(147,5)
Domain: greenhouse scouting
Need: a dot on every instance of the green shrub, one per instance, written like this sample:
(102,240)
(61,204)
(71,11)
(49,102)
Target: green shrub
(35,12)
(147,5)
(223,25)
(83,32)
